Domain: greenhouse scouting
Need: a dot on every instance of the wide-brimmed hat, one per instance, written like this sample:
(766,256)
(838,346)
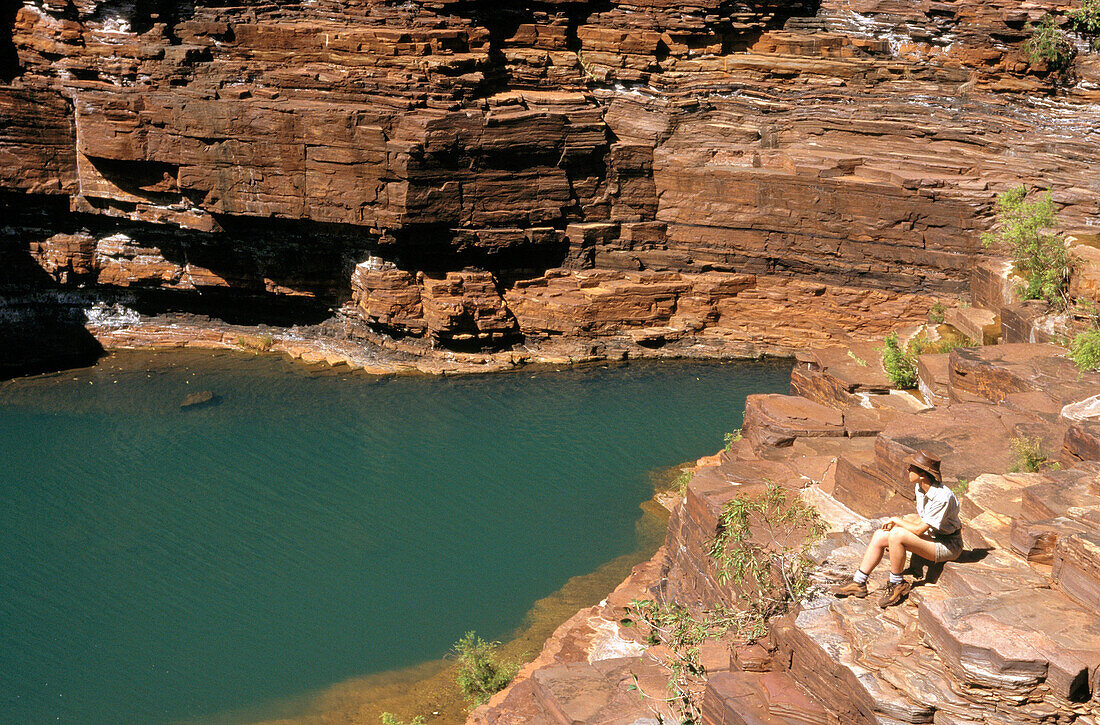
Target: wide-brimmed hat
(928,464)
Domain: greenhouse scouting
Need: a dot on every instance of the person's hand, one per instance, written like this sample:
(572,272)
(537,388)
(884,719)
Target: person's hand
(890,523)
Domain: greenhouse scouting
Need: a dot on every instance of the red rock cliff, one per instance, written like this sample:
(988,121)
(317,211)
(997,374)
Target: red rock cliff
(744,175)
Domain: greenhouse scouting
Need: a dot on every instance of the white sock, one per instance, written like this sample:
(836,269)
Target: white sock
(896,578)
(860,577)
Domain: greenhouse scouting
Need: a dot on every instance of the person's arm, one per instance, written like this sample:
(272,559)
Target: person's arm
(917,527)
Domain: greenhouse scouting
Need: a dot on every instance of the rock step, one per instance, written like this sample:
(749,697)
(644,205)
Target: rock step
(987,573)
(1082,442)
(759,698)
(861,486)
(774,421)
(777,421)
(1076,568)
(825,661)
(878,635)
(1004,373)
(1028,644)
(981,325)
(992,285)
(1072,493)
(581,693)
(934,378)
(1035,541)
(837,376)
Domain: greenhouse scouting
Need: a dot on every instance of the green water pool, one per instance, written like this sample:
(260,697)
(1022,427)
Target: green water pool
(160,564)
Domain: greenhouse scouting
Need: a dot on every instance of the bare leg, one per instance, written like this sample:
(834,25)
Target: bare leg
(879,541)
(902,541)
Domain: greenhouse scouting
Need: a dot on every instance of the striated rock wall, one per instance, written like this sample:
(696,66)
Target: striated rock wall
(1006,634)
(224,149)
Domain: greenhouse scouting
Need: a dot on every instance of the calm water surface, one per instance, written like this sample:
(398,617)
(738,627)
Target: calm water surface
(160,564)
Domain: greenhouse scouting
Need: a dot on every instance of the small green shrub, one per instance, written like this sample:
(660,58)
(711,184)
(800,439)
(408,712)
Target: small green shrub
(961,487)
(1029,454)
(731,438)
(935,314)
(480,673)
(680,483)
(588,70)
(681,633)
(900,365)
(1049,45)
(752,547)
(1039,255)
(388,718)
(1085,21)
(761,543)
(256,343)
(1084,350)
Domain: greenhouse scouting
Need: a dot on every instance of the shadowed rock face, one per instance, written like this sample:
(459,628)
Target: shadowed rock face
(855,144)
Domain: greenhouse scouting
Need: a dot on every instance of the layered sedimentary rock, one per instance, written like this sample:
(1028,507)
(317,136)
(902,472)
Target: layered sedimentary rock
(853,145)
(1006,634)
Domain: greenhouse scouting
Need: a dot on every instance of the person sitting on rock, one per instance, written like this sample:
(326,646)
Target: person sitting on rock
(936,535)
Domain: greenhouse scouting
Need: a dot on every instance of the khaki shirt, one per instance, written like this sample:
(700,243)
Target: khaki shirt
(939,509)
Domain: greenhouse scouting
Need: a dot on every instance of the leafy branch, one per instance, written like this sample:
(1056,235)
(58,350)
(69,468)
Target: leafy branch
(762,545)
(681,633)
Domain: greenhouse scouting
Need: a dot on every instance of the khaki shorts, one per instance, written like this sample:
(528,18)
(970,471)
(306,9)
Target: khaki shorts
(950,547)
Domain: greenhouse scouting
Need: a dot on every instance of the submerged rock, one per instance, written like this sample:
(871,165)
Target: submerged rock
(200,399)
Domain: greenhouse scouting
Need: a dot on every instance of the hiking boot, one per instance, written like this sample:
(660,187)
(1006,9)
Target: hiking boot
(894,593)
(851,589)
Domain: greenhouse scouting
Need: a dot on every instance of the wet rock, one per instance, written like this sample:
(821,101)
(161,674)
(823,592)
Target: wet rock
(199,399)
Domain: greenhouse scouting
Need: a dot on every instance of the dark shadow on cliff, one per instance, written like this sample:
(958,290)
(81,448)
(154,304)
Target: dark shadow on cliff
(257,272)
(437,249)
(9,58)
(40,330)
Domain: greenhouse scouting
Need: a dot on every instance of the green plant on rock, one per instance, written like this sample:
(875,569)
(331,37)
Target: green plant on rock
(1049,45)
(388,718)
(1039,255)
(1084,350)
(762,545)
(732,437)
(256,343)
(681,633)
(680,483)
(900,363)
(1085,21)
(936,313)
(858,360)
(1029,455)
(588,70)
(481,674)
